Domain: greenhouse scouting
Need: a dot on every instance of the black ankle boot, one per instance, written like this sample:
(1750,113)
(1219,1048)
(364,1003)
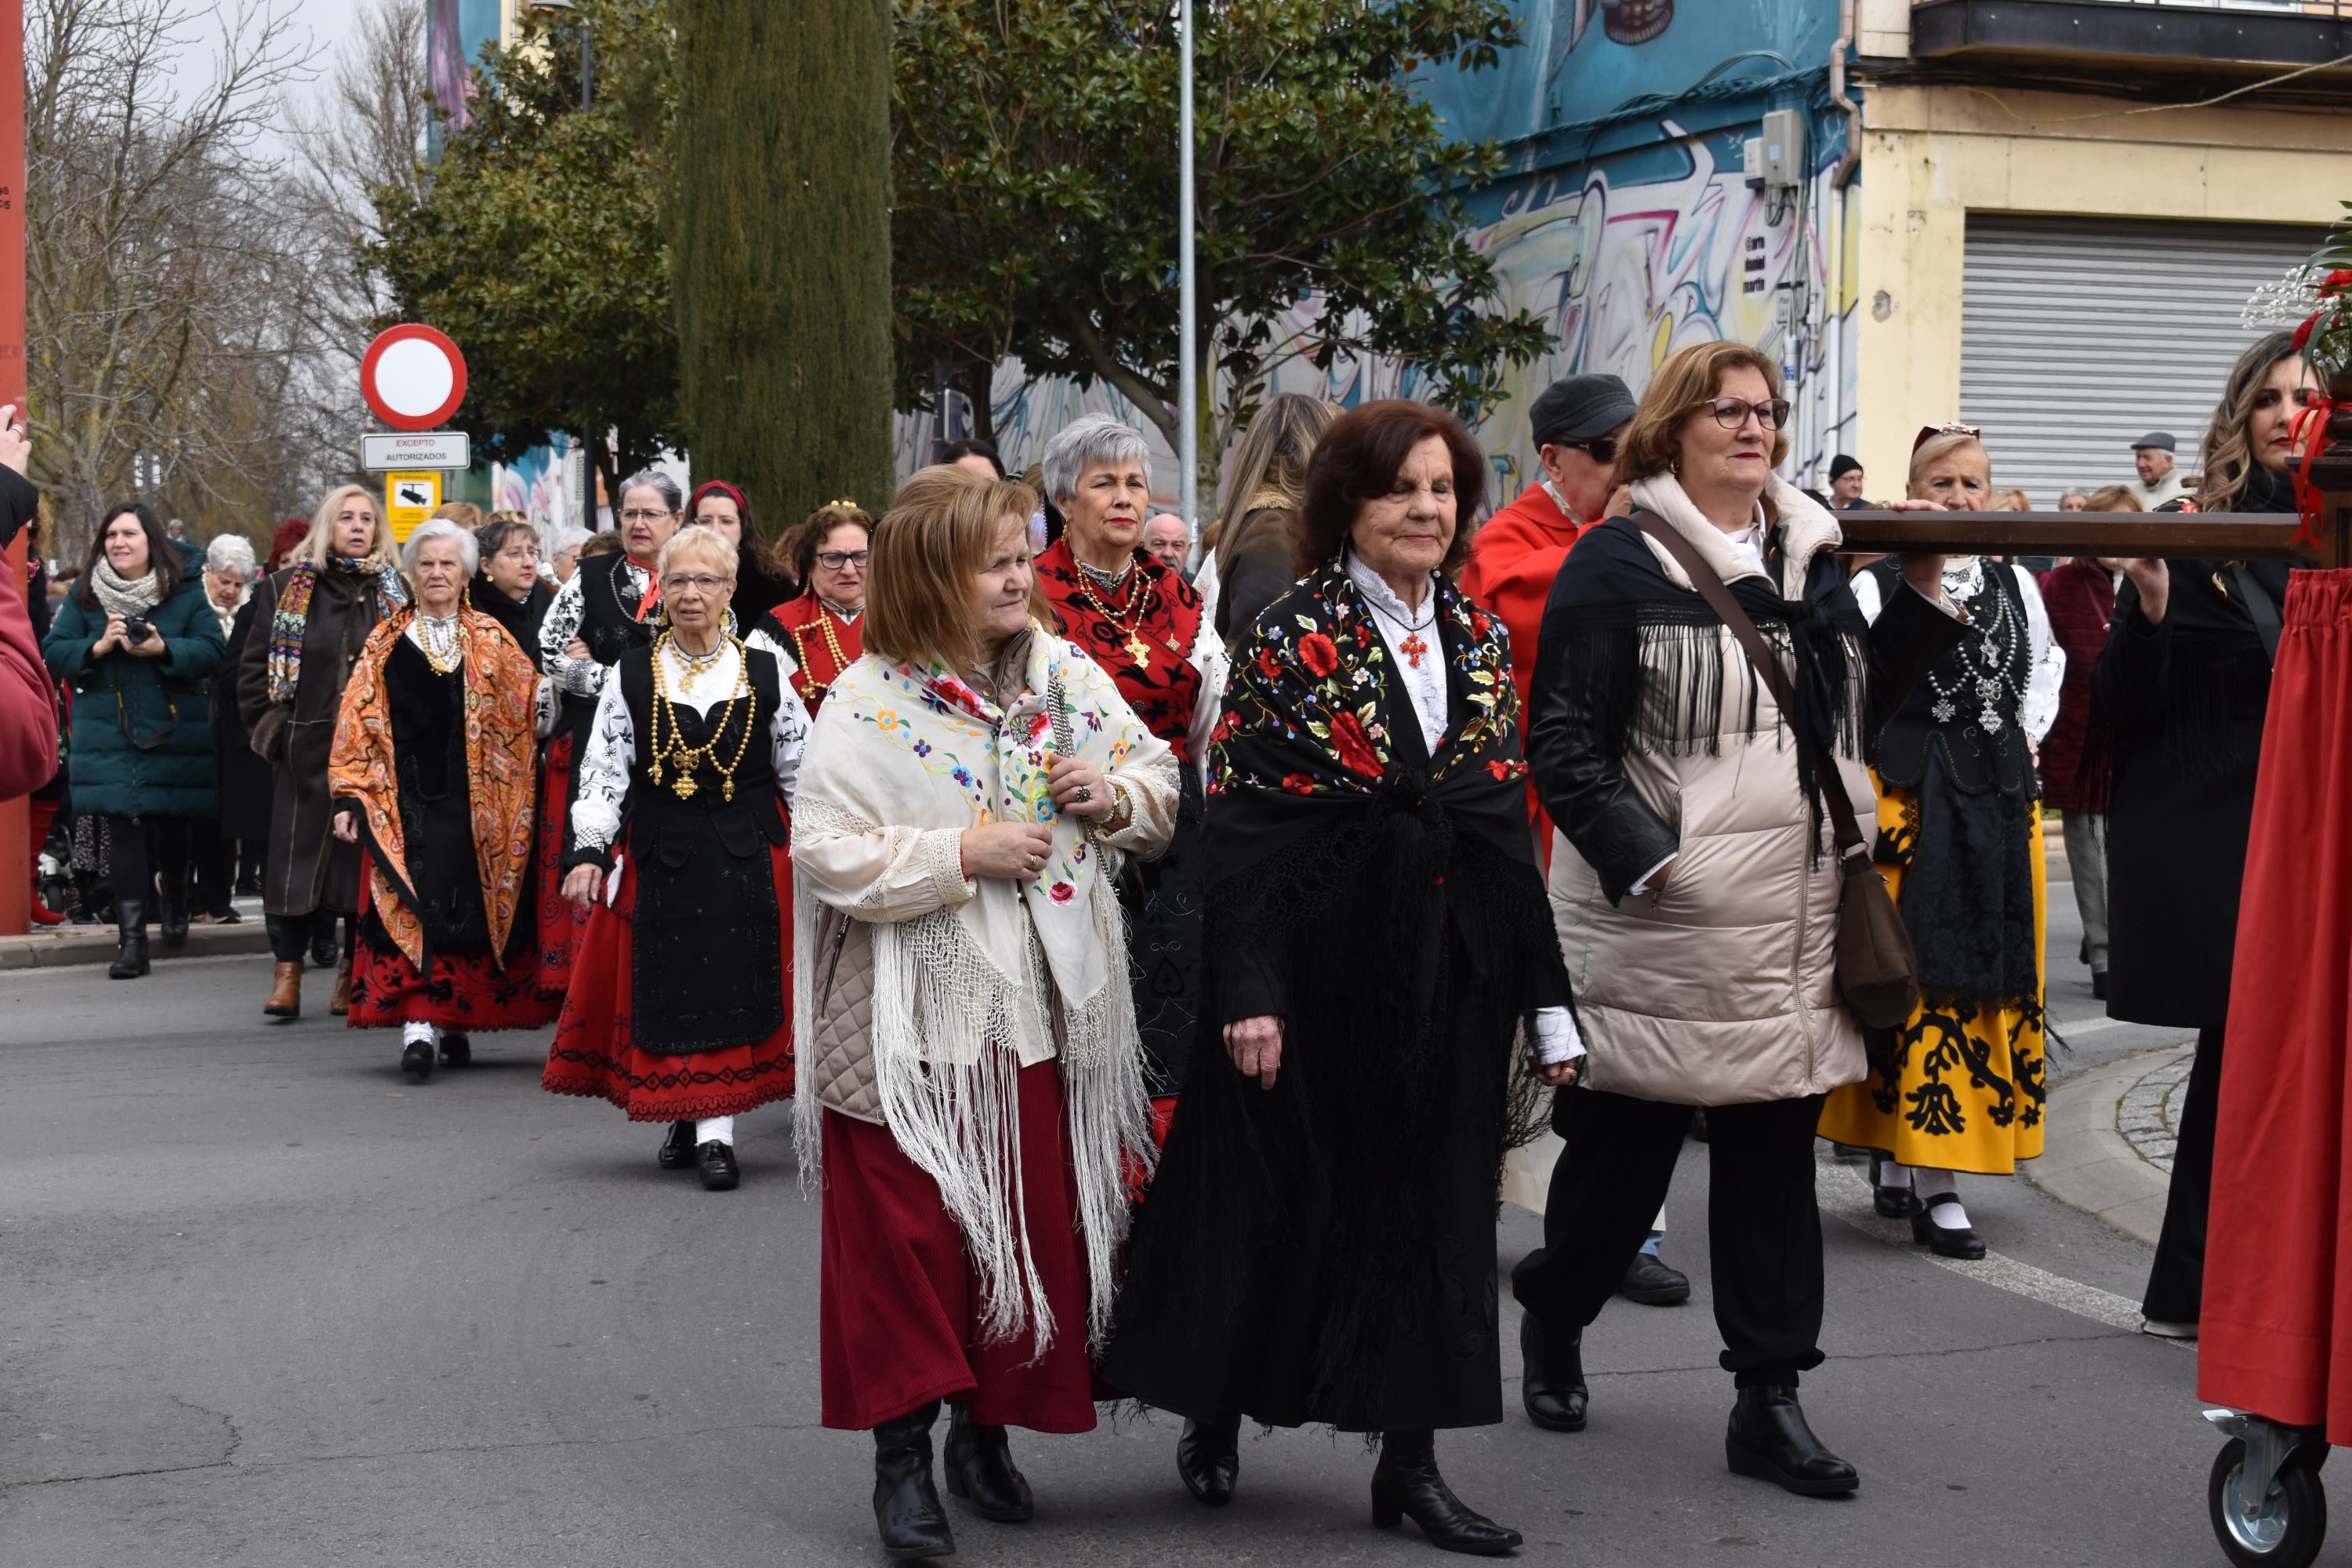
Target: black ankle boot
(173,887)
(1551,1381)
(130,930)
(1208,1459)
(981,1471)
(906,1507)
(1769,1441)
(1406,1483)
(324,951)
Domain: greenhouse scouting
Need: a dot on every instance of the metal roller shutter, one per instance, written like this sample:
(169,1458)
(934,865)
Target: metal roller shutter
(2078,334)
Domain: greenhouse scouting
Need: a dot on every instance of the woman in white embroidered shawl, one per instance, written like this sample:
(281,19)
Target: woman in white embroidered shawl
(971,1077)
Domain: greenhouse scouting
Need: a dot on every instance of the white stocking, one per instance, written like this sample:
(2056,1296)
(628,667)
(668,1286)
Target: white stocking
(1928,1184)
(410,1034)
(715,1130)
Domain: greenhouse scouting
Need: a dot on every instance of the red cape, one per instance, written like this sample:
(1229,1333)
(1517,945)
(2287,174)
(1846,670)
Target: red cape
(1512,562)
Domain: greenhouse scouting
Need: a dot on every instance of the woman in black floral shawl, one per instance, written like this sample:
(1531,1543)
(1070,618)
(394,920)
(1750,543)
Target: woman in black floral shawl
(1319,1243)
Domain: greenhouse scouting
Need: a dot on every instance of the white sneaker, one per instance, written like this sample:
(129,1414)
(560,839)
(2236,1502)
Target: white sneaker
(2165,1330)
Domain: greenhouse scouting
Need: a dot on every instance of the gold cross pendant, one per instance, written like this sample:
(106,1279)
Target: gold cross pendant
(1138,651)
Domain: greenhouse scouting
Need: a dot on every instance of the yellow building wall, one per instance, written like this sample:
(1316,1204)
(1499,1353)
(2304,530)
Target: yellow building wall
(1933,154)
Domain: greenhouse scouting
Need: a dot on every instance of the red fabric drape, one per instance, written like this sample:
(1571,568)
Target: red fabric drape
(2276,1331)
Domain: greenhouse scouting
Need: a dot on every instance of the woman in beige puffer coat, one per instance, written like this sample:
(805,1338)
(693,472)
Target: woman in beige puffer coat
(1695,888)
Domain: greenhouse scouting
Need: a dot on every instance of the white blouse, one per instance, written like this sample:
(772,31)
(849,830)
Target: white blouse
(2045,661)
(612,742)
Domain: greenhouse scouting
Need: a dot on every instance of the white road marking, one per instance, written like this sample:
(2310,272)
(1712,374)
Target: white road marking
(1844,1195)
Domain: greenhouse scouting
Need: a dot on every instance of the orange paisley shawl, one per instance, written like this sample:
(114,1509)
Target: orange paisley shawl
(499,756)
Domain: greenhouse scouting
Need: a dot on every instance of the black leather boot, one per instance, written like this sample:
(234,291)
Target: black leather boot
(980,1470)
(1769,1440)
(1551,1383)
(906,1508)
(1208,1459)
(1406,1483)
(325,948)
(131,930)
(173,885)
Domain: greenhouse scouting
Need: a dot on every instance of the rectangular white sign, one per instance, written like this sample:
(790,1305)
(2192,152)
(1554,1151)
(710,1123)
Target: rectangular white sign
(430,449)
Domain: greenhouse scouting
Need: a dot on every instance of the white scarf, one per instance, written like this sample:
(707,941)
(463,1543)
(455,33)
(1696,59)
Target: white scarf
(959,998)
(121,595)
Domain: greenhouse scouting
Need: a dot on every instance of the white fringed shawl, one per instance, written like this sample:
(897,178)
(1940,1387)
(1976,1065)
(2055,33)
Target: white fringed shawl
(974,980)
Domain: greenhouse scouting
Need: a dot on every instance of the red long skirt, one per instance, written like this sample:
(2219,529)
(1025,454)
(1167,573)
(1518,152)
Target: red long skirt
(561,927)
(2275,1337)
(596,1054)
(898,1313)
(465,993)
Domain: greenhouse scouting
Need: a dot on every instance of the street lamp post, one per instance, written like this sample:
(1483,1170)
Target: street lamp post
(1187,323)
(556,10)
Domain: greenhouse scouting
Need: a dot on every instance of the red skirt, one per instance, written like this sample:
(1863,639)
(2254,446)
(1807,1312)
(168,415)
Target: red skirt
(465,993)
(562,926)
(898,1304)
(2277,1320)
(596,1054)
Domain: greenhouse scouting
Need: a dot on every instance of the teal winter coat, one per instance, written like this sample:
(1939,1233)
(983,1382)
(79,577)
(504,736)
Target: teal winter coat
(142,741)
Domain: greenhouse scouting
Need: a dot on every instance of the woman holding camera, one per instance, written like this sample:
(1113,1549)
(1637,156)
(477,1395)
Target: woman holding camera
(136,641)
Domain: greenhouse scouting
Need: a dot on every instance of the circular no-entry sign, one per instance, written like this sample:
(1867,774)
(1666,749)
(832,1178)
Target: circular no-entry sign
(413,377)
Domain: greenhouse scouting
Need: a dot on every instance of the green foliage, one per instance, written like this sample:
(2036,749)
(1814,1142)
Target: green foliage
(782,260)
(1036,179)
(539,244)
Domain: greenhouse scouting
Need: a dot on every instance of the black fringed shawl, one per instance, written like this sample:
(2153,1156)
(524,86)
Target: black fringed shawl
(1387,905)
(1646,662)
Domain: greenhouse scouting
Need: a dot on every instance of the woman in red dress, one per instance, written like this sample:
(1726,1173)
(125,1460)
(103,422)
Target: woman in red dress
(432,773)
(681,1006)
(823,632)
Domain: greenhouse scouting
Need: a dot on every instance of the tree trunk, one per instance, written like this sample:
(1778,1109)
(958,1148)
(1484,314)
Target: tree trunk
(781,256)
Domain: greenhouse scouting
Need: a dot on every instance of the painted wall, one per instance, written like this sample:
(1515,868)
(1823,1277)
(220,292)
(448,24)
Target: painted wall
(1930,155)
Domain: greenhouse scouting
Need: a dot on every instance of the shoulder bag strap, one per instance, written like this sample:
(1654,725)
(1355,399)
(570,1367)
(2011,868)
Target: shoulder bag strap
(1760,654)
(2259,605)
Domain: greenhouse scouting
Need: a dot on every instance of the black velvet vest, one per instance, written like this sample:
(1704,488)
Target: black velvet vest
(1945,711)
(708,930)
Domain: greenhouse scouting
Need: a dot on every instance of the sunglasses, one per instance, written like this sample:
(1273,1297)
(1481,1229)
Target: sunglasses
(1599,448)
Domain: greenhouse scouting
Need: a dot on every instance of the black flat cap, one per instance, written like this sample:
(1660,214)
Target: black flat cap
(2159,439)
(1580,408)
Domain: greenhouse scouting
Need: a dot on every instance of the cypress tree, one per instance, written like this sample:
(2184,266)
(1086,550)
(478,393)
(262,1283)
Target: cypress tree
(781,248)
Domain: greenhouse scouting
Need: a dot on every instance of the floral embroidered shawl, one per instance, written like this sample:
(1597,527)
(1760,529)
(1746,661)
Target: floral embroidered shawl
(501,687)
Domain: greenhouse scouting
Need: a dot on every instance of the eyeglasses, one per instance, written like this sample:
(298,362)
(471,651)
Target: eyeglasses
(637,516)
(518,553)
(689,583)
(1601,448)
(839,560)
(1731,413)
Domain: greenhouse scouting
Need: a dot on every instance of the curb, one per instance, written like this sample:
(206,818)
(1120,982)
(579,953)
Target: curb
(2088,1165)
(65,947)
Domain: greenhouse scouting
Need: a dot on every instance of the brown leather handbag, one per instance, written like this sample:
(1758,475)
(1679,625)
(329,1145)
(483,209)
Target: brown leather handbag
(1877,970)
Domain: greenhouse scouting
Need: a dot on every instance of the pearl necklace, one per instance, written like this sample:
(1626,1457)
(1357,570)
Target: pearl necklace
(442,640)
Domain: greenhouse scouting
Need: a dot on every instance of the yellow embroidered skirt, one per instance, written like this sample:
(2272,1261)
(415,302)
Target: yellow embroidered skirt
(1968,1083)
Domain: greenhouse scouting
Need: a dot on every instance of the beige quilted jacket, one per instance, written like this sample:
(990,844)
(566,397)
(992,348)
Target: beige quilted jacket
(843,1067)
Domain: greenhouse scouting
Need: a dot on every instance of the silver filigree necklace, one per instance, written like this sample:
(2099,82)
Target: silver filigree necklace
(1986,675)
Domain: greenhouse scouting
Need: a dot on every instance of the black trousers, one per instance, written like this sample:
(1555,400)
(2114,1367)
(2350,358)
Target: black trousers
(2176,1283)
(289,935)
(138,849)
(1764,1230)
(215,869)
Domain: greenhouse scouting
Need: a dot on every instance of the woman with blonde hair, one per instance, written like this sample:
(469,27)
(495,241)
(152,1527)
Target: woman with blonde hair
(2181,693)
(1248,556)
(1961,1084)
(974,1093)
(679,1009)
(1706,819)
(309,622)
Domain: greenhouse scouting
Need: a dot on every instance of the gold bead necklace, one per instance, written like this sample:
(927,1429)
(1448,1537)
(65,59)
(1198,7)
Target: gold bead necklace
(683,758)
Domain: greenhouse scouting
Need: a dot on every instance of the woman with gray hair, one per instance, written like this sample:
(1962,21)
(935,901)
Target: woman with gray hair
(244,778)
(611,604)
(431,774)
(1148,630)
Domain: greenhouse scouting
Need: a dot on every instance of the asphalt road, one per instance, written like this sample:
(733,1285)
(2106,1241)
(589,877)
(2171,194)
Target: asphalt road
(264,1303)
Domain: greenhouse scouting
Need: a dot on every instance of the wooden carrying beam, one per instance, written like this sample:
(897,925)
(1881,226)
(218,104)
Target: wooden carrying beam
(2223,536)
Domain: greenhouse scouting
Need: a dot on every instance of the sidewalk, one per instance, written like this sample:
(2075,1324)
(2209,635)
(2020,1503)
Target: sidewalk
(51,947)
(2111,1138)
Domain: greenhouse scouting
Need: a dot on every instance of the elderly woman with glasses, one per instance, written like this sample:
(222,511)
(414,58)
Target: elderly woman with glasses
(612,604)
(1961,1085)
(1149,630)
(681,1011)
(432,774)
(823,632)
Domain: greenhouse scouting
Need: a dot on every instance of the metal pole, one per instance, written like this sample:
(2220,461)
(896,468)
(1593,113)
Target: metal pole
(17,847)
(1188,330)
(584,102)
